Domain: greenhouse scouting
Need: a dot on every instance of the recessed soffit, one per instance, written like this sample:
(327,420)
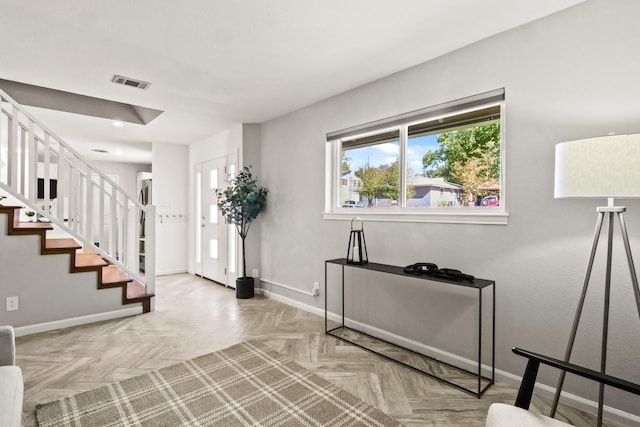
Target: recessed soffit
(38,96)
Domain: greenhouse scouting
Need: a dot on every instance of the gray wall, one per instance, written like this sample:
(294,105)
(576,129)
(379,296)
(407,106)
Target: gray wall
(47,291)
(572,75)
(251,157)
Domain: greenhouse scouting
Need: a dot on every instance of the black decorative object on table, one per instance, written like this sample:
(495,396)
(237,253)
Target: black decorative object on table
(357,250)
(432,269)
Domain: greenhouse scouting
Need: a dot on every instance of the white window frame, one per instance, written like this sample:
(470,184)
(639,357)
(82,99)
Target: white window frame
(491,215)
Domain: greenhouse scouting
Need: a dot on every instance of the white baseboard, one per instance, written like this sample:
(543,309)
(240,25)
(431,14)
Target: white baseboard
(289,301)
(167,272)
(75,321)
(589,406)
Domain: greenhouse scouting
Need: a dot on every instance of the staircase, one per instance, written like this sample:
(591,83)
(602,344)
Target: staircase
(46,175)
(109,276)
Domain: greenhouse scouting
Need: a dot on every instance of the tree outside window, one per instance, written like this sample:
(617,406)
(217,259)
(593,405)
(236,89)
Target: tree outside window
(469,157)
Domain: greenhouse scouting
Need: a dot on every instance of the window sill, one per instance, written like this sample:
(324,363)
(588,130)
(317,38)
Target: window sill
(487,216)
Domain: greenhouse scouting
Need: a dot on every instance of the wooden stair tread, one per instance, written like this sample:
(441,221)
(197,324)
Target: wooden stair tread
(89,260)
(113,275)
(32,226)
(62,243)
(136,290)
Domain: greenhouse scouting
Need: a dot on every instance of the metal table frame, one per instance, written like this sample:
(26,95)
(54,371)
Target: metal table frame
(479,284)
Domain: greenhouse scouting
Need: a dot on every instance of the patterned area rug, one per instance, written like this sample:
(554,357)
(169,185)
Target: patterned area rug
(247,384)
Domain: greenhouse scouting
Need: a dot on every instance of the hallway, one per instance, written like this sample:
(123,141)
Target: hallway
(195,316)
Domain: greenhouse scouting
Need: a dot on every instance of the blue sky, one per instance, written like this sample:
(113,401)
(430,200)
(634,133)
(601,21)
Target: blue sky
(387,153)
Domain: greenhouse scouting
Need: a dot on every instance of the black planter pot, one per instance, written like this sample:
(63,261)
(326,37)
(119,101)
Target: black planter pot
(244,287)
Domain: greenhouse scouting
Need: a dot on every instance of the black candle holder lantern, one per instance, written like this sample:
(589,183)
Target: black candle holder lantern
(357,250)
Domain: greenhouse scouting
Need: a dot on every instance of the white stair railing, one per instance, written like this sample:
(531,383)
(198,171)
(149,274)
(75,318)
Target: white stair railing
(50,177)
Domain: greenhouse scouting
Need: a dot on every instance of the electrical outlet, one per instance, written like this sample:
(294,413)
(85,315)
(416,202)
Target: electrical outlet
(254,273)
(316,289)
(13,303)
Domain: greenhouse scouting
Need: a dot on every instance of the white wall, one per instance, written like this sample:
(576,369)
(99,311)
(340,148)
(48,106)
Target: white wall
(215,146)
(568,76)
(242,140)
(169,185)
(126,172)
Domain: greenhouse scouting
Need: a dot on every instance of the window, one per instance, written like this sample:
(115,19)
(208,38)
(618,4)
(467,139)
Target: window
(443,163)
(370,167)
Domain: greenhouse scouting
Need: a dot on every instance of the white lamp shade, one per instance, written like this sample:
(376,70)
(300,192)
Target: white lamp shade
(607,166)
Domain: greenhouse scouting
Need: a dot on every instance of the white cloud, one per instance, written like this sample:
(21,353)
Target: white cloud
(388,148)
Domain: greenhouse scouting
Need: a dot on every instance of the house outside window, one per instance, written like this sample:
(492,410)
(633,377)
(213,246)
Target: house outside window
(443,163)
(350,189)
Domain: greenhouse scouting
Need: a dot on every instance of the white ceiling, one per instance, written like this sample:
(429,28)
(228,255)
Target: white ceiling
(216,62)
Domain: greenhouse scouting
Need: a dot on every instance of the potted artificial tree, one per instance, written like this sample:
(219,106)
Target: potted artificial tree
(240,203)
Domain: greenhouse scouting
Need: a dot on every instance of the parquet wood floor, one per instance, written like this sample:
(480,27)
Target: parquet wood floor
(195,316)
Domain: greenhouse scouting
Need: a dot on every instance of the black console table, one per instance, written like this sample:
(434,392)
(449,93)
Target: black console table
(479,284)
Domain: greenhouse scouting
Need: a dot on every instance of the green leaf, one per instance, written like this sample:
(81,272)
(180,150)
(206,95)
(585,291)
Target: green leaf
(242,201)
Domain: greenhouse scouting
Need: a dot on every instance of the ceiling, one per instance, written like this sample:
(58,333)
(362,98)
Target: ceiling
(213,63)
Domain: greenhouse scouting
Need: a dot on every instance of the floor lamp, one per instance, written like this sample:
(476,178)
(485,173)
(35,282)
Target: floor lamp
(606,167)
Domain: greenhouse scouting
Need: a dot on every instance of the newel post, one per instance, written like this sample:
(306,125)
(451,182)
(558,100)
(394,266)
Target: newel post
(150,252)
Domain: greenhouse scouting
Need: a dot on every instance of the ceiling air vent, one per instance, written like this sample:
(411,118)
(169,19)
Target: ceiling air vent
(121,80)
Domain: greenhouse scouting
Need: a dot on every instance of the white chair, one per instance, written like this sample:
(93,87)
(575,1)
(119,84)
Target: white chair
(11,384)
(501,415)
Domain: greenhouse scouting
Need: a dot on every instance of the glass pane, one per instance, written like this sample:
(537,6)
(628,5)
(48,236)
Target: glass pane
(213,179)
(198,217)
(232,171)
(453,167)
(370,173)
(213,214)
(213,248)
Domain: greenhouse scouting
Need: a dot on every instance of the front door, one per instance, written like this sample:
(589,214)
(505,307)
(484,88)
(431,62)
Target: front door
(214,239)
